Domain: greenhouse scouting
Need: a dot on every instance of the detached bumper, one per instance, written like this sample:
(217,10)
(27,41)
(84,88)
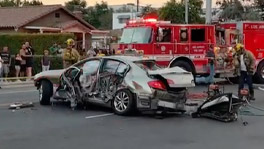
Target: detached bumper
(162,99)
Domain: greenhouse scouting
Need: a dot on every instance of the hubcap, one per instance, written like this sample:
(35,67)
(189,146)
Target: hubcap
(121,101)
(262,73)
(40,93)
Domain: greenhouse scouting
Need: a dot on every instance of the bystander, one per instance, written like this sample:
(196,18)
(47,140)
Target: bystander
(5,55)
(18,61)
(45,61)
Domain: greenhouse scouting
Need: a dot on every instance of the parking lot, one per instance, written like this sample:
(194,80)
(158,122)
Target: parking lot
(60,127)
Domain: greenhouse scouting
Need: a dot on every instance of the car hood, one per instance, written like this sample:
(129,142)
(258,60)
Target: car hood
(48,74)
(176,76)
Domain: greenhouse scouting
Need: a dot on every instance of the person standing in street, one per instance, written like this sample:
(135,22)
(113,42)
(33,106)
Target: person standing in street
(70,55)
(100,53)
(1,67)
(5,55)
(18,61)
(22,53)
(211,61)
(45,61)
(91,53)
(29,59)
(244,62)
(210,55)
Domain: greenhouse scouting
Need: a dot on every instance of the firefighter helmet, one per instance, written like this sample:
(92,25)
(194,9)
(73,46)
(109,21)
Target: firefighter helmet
(70,42)
(238,47)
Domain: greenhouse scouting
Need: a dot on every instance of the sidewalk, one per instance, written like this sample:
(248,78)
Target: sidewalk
(17,84)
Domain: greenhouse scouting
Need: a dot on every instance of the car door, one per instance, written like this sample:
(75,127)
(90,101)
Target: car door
(79,80)
(66,85)
(111,76)
(89,76)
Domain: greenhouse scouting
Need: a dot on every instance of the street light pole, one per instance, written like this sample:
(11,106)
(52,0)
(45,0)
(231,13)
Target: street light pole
(208,12)
(186,11)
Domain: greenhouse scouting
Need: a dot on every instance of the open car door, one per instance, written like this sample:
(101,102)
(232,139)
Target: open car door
(111,76)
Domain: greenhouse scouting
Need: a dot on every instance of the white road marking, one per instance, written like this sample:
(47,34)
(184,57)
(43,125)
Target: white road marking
(261,88)
(13,92)
(97,116)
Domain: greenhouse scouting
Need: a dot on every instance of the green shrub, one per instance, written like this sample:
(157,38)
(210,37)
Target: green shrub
(39,42)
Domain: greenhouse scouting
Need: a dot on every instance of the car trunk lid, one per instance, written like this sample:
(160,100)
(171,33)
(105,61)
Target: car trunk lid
(175,77)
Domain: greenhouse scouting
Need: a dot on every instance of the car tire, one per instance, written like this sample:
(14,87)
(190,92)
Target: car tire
(184,65)
(260,73)
(45,92)
(123,103)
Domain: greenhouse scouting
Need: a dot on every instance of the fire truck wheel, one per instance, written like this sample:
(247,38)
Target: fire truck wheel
(184,65)
(260,73)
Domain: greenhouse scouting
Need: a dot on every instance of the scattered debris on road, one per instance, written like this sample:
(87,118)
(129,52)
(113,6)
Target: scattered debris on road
(21,105)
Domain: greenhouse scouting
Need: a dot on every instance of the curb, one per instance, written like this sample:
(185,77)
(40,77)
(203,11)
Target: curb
(26,83)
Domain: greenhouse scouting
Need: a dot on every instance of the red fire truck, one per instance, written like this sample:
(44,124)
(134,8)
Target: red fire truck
(251,34)
(185,45)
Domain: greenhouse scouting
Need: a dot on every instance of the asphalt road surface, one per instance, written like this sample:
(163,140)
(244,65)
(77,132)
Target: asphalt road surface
(58,127)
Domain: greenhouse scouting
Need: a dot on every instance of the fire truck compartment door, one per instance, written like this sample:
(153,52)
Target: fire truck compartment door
(164,46)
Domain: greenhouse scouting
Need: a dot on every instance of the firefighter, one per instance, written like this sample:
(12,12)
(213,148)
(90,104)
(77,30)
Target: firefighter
(71,55)
(244,62)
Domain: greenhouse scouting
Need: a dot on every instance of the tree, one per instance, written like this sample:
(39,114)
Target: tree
(32,3)
(175,11)
(123,9)
(76,5)
(232,10)
(8,3)
(235,10)
(100,16)
(148,10)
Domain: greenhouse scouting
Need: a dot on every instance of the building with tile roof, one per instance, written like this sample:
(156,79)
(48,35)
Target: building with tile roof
(46,19)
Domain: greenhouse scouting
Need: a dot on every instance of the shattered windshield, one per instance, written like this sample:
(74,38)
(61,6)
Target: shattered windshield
(147,65)
(136,35)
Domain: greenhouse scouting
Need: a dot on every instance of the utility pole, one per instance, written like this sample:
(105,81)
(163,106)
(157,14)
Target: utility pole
(186,11)
(137,5)
(208,12)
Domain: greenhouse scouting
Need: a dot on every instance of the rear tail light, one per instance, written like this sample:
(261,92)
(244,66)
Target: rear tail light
(170,81)
(157,85)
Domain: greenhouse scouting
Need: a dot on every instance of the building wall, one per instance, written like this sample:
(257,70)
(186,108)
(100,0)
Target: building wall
(50,20)
(11,30)
(117,24)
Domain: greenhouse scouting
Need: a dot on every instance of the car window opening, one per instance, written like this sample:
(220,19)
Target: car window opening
(164,35)
(136,35)
(198,35)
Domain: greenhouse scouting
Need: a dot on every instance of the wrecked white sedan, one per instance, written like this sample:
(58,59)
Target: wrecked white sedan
(124,83)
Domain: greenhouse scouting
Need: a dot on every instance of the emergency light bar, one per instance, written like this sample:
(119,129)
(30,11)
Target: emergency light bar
(150,20)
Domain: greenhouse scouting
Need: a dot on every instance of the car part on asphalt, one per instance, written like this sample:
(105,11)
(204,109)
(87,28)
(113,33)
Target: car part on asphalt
(21,105)
(222,107)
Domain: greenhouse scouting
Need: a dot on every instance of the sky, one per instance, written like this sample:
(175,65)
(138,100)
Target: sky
(154,3)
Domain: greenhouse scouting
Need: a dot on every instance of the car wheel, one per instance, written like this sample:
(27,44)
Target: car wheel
(45,92)
(260,73)
(123,103)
